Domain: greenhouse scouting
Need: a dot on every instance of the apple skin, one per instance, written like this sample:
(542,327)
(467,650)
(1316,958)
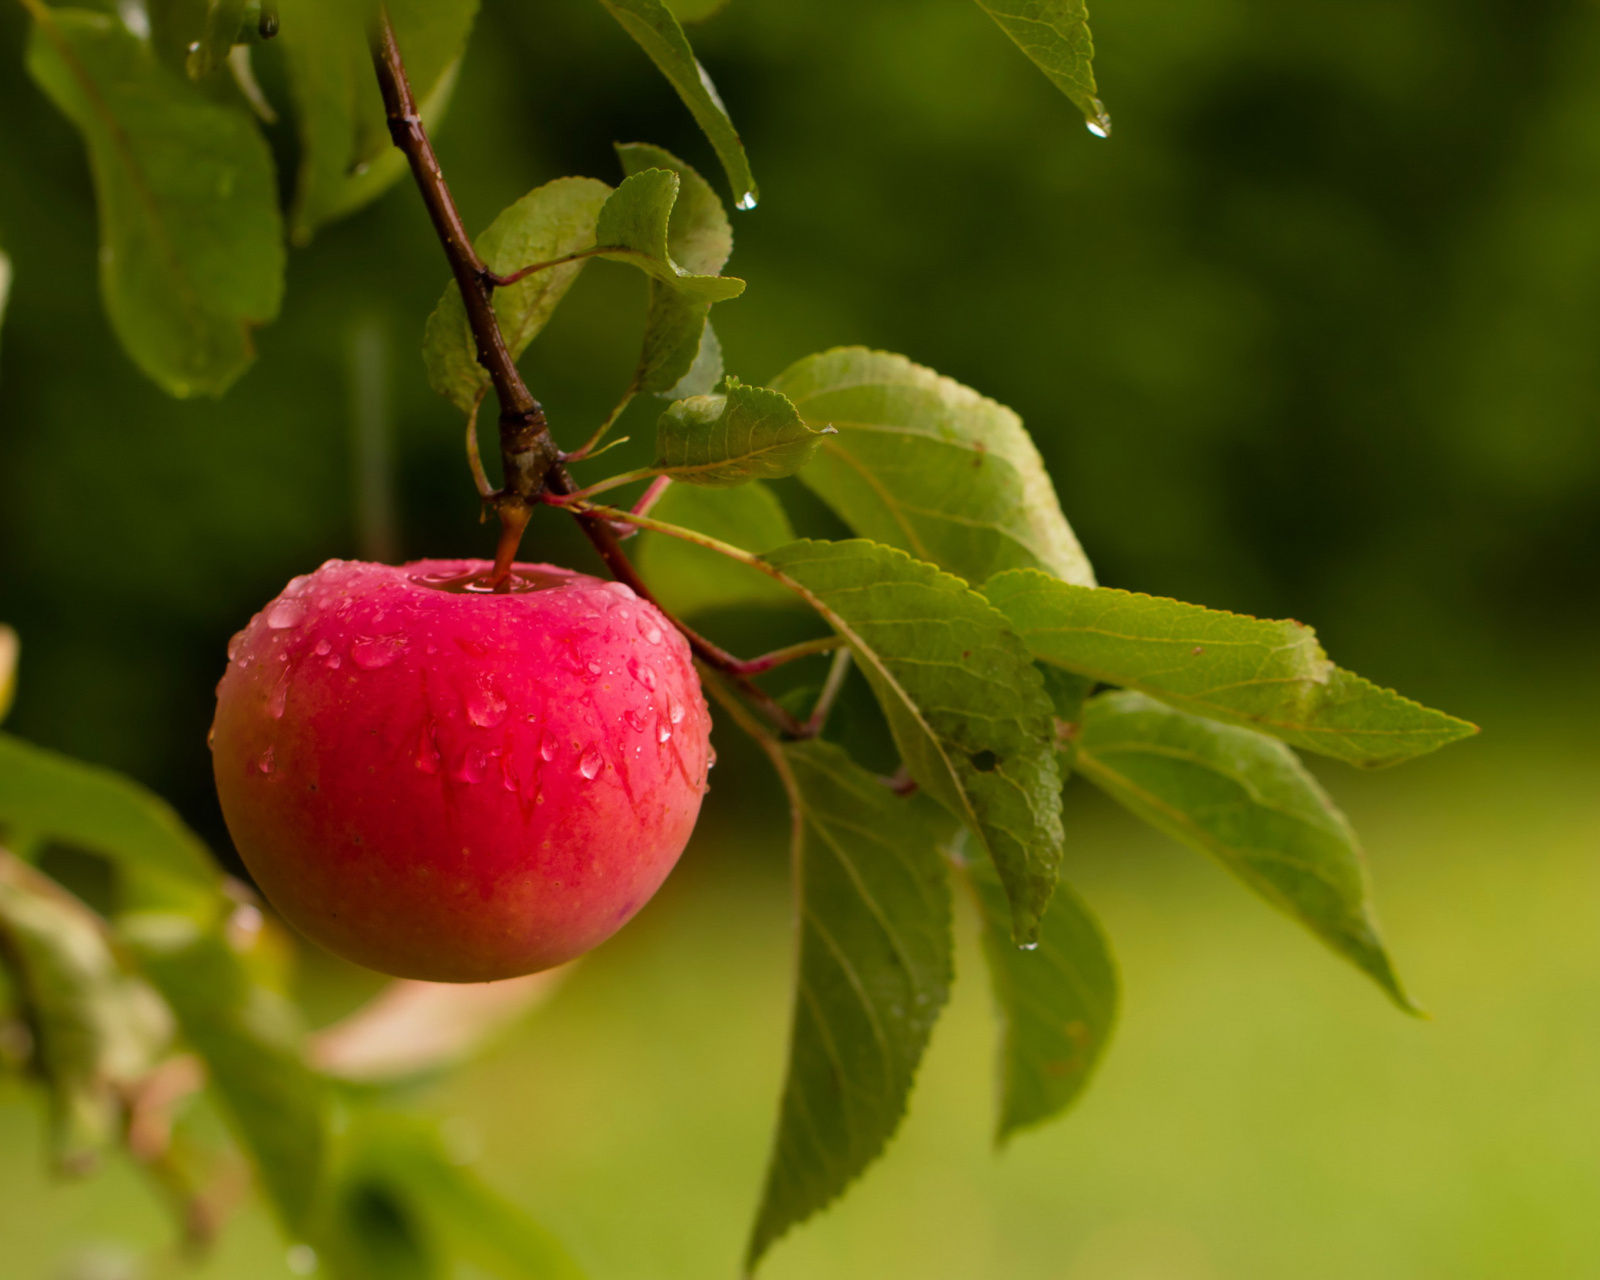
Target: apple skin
(442,783)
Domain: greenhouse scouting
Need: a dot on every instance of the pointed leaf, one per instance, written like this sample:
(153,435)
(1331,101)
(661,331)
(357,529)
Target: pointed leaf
(875,969)
(1055,35)
(927,465)
(191,245)
(1056,1003)
(657,32)
(346,157)
(1249,802)
(550,222)
(95,1026)
(700,240)
(1266,675)
(689,579)
(634,226)
(745,434)
(966,706)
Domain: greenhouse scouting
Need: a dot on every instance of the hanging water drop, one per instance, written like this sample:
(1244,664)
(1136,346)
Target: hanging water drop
(286,614)
(674,708)
(266,763)
(589,763)
(747,201)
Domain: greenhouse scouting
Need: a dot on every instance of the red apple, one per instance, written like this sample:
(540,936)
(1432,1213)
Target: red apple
(442,782)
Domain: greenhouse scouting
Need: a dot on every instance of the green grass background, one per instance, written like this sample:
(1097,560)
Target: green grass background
(1262,1112)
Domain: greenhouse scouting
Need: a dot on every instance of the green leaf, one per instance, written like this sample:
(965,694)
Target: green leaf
(346,157)
(1249,802)
(1056,1003)
(191,244)
(1271,676)
(635,226)
(699,238)
(44,793)
(657,32)
(403,1208)
(690,579)
(696,10)
(550,222)
(705,371)
(217,38)
(966,706)
(874,974)
(1055,35)
(95,1026)
(927,465)
(747,433)
(10,650)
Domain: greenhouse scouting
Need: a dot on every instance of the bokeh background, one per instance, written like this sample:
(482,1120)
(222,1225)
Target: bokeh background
(1314,334)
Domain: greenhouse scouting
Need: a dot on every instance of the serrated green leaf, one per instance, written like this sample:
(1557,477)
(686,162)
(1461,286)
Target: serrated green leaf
(874,973)
(173,919)
(550,222)
(1055,35)
(347,158)
(1267,675)
(966,706)
(927,465)
(690,579)
(50,794)
(403,1208)
(1056,1003)
(744,434)
(95,1026)
(1247,800)
(657,32)
(191,244)
(700,240)
(10,650)
(634,226)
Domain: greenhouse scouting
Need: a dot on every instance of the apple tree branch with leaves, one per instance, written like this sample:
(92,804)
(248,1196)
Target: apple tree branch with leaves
(478,769)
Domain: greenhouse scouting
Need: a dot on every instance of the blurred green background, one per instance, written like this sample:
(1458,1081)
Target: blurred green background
(1313,334)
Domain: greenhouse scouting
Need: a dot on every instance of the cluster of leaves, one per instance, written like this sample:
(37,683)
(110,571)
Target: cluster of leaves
(998,667)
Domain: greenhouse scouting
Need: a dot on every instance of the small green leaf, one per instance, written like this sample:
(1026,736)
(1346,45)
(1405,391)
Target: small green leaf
(550,222)
(657,32)
(1056,1003)
(403,1208)
(966,706)
(747,433)
(10,650)
(1249,802)
(927,465)
(95,1026)
(634,226)
(346,156)
(874,974)
(1055,35)
(689,579)
(191,244)
(1265,675)
(705,371)
(94,808)
(677,334)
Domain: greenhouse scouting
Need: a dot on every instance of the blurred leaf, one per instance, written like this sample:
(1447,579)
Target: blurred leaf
(927,465)
(964,702)
(217,38)
(1056,1003)
(657,32)
(10,650)
(347,158)
(191,248)
(404,1208)
(699,238)
(93,808)
(95,1027)
(550,222)
(688,579)
(1055,34)
(874,974)
(696,10)
(5,283)
(1266,675)
(1249,802)
(747,433)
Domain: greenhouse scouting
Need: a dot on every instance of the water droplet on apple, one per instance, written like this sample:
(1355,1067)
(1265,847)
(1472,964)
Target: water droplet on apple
(663,731)
(280,696)
(595,668)
(674,708)
(643,673)
(286,614)
(323,649)
(620,589)
(235,646)
(333,662)
(427,751)
(473,766)
(266,763)
(372,652)
(589,763)
(636,719)
(547,748)
(485,707)
(650,631)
